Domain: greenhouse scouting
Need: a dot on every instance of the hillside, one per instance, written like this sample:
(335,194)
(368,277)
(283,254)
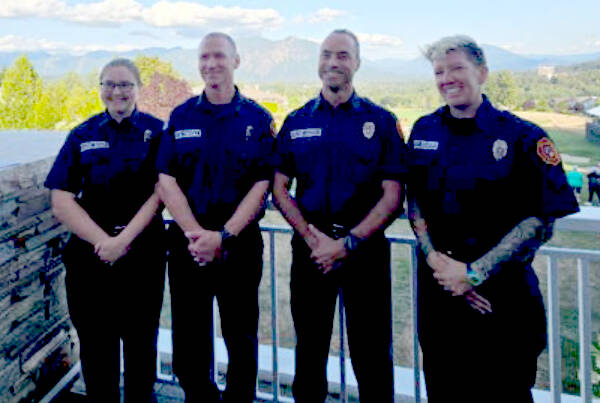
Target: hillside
(287,60)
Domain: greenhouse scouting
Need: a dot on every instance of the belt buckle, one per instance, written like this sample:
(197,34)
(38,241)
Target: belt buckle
(338,231)
(117,229)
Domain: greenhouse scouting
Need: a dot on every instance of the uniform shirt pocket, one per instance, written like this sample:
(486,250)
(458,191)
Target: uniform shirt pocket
(308,152)
(95,164)
(188,150)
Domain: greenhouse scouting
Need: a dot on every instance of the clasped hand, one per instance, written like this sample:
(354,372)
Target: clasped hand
(452,275)
(204,245)
(326,251)
(111,248)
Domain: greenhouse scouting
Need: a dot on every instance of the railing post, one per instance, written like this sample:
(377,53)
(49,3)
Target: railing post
(585,331)
(214,370)
(413,294)
(343,389)
(554,331)
(274,315)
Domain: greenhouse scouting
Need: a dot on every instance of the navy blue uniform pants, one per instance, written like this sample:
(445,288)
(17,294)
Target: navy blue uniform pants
(234,282)
(594,190)
(364,280)
(112,303)
(470,357)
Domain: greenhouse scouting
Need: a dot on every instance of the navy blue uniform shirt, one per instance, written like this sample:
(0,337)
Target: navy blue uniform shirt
(339,158)
(109,166)
(217,153)
(476,179)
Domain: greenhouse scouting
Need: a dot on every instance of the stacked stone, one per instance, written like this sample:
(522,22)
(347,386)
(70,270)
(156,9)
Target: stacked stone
(36,336)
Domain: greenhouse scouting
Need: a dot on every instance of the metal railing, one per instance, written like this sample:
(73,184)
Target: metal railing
(553,254)
(582,257)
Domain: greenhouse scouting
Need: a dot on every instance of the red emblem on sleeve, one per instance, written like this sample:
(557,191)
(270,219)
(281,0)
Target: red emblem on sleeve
(547,151)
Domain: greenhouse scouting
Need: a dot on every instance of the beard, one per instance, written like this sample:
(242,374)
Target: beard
(334,88)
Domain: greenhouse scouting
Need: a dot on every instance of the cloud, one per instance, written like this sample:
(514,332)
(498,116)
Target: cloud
(513,47)
(326,15)
(594,43)
(145,34)
(31,8)
(161,14)
(103,12)
(184,14)
(13,43)
(379,40)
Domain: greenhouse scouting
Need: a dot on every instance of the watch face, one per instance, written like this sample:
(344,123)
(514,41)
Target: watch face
(474,278)
(349,243)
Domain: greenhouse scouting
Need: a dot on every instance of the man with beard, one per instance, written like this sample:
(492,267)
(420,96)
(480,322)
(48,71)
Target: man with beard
(346,155)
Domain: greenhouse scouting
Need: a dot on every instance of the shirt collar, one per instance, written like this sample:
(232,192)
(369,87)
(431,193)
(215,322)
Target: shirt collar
(236,102)
(354,102)
(133,119)
(482,116)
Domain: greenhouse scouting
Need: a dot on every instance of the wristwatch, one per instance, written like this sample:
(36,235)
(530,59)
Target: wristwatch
(352,242)
(227,239)
(474,277)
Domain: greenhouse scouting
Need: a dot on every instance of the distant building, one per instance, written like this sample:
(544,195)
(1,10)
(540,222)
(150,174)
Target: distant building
(546,71)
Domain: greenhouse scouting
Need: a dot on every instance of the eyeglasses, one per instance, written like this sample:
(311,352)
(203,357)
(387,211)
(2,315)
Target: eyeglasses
(123,85)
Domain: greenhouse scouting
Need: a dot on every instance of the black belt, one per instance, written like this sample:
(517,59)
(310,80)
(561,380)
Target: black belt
(116,230)
(336,231)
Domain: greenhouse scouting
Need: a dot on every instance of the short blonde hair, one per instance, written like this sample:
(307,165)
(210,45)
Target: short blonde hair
(454,43)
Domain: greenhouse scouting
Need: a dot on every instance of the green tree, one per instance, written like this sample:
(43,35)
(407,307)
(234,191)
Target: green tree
(49,109)
(149,65)
(502,89)
(82,102)
(20,90)
(65,103)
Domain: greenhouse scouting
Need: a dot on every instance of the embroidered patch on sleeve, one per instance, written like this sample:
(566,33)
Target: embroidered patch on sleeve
(547,151)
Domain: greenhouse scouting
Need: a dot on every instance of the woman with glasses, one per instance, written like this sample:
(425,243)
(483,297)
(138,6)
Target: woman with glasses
(102,190)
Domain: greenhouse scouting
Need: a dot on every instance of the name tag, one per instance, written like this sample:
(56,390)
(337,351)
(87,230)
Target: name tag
(425,145)
(93,145)
(304,133)
(187,133)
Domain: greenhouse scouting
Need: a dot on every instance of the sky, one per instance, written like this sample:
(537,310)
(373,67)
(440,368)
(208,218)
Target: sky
(386,28)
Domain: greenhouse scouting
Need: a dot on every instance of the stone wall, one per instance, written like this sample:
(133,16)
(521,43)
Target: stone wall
(37,344)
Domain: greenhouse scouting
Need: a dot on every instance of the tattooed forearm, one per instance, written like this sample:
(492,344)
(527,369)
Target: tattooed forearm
(419,226)
(520,244)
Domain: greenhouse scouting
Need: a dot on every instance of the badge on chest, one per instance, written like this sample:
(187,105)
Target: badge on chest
(368,129)
(499,149)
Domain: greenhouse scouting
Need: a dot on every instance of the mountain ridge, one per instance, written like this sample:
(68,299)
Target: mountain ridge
(287,60)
